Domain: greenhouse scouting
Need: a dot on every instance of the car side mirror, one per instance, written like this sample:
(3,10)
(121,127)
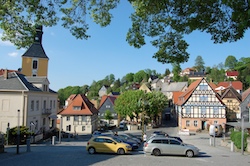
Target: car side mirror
(114,143)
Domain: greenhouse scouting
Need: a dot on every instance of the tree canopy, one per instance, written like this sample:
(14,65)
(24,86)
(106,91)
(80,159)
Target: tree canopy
(199,63)
(165,21)
(230,62)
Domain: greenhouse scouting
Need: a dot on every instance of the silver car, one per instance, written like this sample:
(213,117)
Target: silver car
(169,146)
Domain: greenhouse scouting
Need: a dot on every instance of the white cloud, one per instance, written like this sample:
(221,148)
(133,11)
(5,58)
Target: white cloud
(13,54)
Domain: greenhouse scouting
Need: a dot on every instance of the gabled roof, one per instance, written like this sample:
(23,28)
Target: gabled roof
(232,73)
(87,108)
(245,94)
(155,80)
(16,81)
(176,86)
(185,95)
(106,97)
(234,92)
(236,84)
(176,96)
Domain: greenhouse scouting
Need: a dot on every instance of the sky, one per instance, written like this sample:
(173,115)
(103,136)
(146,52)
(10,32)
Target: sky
(74,62)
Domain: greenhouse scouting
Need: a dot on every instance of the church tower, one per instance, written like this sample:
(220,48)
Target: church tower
(35,60)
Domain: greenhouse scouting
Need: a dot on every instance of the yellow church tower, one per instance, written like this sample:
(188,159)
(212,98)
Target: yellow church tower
(35,60)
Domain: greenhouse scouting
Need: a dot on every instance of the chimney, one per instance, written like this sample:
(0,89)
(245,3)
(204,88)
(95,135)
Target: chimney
(5,74)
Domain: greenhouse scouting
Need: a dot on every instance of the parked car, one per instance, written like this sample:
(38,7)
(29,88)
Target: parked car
(132,143)
(136,137)
(166,135)
(128,137)
(105,144)
(169,146)
(96,133)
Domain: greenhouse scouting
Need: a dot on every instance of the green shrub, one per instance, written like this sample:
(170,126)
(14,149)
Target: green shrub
(24,133)
(236,138)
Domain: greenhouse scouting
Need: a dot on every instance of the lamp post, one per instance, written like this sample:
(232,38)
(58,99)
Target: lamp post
(242,132)
(60,131)
(142,104)
(18,131)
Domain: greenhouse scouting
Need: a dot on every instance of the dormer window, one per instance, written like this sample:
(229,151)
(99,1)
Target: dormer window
(76,108)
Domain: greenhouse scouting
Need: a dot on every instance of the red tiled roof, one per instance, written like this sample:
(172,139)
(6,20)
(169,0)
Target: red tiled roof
(176,95)
(2,71)
(87,108)
(185,95)
(235,84)
(232,73)
(245,94)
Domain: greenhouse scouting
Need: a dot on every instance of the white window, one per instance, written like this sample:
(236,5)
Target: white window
(37,105)
(107,106)
(50,104)
(68,128)
(203,110)
(54,104)
(83,128)
(195,123)
(188,110)
(216,110)
(32,105)
(76,118)
(187,123)
(68,118)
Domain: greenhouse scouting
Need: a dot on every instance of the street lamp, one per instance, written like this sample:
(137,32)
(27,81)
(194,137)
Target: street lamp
(18,131)
(142,104)
(243,116)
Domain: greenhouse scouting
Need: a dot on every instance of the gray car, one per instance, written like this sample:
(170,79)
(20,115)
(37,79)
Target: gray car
(169,146)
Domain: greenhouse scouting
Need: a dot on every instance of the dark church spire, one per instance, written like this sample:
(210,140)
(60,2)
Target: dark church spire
(39,34)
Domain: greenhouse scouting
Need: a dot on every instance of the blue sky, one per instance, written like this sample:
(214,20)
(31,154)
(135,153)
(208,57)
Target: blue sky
(75,62)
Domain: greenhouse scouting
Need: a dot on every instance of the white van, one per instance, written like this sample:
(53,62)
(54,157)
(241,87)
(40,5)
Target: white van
(215,130)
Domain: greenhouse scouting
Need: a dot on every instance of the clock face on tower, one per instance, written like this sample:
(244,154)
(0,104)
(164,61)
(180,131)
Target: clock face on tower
(36,38)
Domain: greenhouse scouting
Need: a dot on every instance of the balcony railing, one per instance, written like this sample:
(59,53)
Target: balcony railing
(46,111)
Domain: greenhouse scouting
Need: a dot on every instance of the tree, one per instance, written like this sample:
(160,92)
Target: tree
(167,72)
(157,102)
(216,75)
(243,67)
(108,115)
(140,76)
(127,103)
(176,71)
(199,63)
(165,22)
(230,62)
(129,77)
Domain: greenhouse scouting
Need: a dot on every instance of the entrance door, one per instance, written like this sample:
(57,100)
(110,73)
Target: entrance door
(203,125)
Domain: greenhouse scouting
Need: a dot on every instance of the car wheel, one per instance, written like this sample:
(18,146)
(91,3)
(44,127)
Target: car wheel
(189,153)
(156,152)
(121,151)
(91,150)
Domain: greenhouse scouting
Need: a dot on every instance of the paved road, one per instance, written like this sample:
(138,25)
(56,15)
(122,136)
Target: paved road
(73,153)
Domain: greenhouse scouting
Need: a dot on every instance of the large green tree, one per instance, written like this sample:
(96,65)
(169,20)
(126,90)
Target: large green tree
(165,21)
(176,71)
(230,62)
(199,63)
(127,103)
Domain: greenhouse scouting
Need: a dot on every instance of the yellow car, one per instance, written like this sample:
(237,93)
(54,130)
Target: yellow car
(105,144)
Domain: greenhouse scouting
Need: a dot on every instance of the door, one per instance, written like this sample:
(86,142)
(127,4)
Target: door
(176,147)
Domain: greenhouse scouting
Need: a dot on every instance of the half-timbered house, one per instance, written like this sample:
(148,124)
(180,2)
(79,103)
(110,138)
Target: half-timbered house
(200,106)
